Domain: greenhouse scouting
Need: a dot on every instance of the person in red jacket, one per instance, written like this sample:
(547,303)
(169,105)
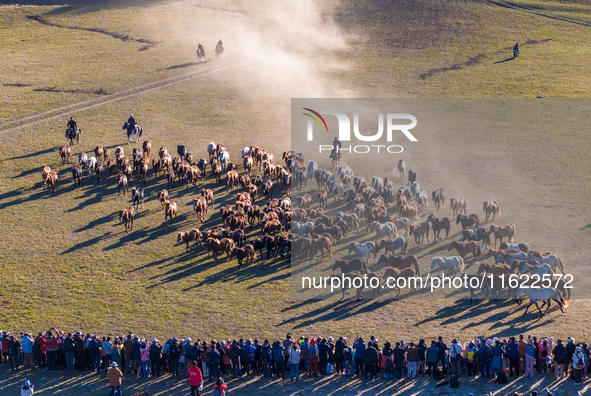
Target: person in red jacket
(40,351)
(195,379)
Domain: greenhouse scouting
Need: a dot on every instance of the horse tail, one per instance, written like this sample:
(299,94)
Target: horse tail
(478,250)
(462,266)
(364,267)
(512,233)
(560,265)
(498,211)
(404,246)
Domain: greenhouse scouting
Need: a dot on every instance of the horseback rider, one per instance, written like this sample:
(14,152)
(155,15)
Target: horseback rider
(131,124)
(200,49)
(516,48)
(336,145)
(72,126)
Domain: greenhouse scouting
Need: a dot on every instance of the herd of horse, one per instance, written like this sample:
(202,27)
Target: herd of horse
(273,216)
(386,210)
(393,215)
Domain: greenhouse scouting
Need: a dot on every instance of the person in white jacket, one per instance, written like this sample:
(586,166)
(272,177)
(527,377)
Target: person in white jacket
(578,365)
(27,389)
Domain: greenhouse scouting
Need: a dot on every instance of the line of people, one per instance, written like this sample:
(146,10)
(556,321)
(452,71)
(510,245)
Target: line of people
(318,356)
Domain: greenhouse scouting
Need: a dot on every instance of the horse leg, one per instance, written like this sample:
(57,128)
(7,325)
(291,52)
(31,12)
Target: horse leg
(530,304)
(560,305)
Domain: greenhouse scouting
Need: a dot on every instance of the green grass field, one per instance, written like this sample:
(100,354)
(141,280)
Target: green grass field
(66,260)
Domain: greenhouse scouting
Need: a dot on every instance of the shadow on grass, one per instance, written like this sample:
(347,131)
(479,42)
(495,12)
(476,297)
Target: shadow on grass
(504,60)
(184,65)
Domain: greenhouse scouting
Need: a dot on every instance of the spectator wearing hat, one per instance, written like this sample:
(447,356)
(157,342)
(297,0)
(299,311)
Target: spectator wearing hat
(174,355)
(578,365)
(27,389)
(114,375)
(27,345)
(559,353)
(455,358)
(116,352)
(145,359)
(513,352)
(278,359)
(359,347)
(155,357)
(530,357)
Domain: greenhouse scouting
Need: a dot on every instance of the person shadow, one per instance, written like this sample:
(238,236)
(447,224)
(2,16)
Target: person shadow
(504,60)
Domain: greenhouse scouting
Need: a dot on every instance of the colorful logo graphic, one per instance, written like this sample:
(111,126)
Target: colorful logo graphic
(316,119)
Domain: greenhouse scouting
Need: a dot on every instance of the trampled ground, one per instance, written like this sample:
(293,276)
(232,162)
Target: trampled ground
(66,260)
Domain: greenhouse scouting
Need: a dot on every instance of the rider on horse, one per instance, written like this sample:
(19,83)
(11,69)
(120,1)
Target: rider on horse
(72,125)
(131,124)
(336,145)
(200,49)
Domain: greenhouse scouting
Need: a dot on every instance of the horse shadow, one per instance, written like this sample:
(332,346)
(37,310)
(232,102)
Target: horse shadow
(184,65)
(35,154)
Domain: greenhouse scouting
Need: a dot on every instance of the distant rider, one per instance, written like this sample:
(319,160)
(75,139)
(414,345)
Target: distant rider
(131,123)
(72,125)
(516,49)
(335,144)
(200,49)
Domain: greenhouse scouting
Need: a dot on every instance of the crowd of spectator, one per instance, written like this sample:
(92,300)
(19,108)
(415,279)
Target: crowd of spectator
(289,358)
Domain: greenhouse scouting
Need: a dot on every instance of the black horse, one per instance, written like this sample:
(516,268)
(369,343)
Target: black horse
(350,265)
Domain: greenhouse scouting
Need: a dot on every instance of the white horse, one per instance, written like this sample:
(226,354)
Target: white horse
(224,160)
(312,167)
(384,229)
(377,182)
(402,223)
(445,263)
(550,259)
(422,200)
(344,171)
(415,188)
(401,168)
(301,228)
(534,269)
(363,249)
(537,295)
(83,160)
(91,164)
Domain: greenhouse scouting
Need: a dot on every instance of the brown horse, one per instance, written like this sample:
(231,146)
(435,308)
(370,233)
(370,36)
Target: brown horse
(495,269)
(45,170)
(458,205)
(420,231)
(438,197)
(491,207)
(400,261)
(193,235)
(163,198)
(439,224)
(127,216)
(242,253)
(232,179)
(464,248)
(409,211)
(65,153)
(208,194)
(200,207)
(98,152)
(170,211)
(392,275)
(225,245)
(506,231)
(51,181)
(147,147)
(272,227)
(494,253)
(316,245)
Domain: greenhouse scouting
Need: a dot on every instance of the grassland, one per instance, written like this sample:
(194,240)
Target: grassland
(65,259)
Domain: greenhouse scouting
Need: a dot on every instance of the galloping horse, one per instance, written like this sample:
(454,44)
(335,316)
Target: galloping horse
(137,132)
